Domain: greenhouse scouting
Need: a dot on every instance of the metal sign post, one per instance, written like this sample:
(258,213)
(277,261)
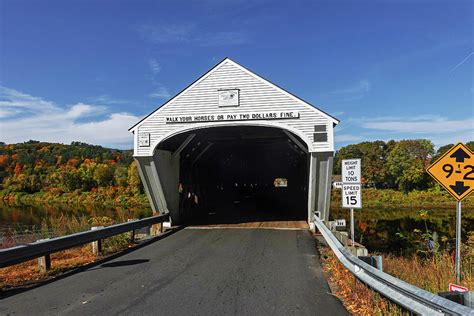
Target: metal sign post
(458,241)
(351,189)
(455,172)
(352,226)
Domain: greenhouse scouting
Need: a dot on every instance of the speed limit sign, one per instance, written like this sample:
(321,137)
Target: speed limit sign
(351,188)
(351,196)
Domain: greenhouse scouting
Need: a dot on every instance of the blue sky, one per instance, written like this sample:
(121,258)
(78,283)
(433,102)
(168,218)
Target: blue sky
(87,70)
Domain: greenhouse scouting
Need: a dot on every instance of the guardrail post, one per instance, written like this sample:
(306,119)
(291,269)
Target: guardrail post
(44,263)
(132,233)
(154,230)
(96,245)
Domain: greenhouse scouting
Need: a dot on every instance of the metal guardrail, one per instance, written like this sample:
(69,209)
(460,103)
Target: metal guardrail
(406,295)
(18,254)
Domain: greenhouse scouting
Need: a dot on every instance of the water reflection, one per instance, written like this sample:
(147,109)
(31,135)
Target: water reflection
(27,216)
(401,231)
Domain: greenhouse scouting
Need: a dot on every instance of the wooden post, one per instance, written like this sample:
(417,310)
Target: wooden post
(132,233)
(153,230)
(44,263)
(97,245)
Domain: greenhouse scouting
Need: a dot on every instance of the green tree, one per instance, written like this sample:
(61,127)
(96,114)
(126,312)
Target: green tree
(120,176)
(134,182)
(103,174)
(407,162)
(470,145)
(373,156)
(70,179)
(441,150)
(86,172)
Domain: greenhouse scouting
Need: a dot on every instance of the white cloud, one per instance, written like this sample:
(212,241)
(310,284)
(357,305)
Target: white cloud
(155,66)
(107,100)
(343,138)
(82,110)
(361,86)
(160,93)
(462,62)
(166,33)
(44,120)
(222,38)
(439,130)
(189,33)
(421,125)
(13,102)
(356,91)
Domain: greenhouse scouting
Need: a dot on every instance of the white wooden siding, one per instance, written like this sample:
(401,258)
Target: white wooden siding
(256,95)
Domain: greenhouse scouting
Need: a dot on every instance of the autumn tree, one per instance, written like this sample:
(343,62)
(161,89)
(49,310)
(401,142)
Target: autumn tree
(134,182)
(103,174)
(373,157)
(407,163)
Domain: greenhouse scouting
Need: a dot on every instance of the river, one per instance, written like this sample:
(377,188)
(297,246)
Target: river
(395,231)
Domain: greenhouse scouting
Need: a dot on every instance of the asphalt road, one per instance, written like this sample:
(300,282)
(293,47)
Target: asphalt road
(198,272)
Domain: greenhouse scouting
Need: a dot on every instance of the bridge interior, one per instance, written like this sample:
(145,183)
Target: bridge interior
(241,175)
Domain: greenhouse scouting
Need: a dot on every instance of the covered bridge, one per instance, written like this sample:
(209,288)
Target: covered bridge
(237,147)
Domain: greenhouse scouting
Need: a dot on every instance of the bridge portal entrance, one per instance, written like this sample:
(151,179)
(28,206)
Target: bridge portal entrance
(233,147)
(240,174)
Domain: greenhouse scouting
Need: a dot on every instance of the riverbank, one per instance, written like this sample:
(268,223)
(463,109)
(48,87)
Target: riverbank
(102,197)
(117,197)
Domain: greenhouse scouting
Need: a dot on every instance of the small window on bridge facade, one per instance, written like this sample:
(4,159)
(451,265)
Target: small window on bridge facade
(320,134)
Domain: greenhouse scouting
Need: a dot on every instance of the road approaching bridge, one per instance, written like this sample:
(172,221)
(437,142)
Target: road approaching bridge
(195,271)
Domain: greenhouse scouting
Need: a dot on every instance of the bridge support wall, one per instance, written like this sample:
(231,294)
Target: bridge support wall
(325,181)
(160,178)
(319,184)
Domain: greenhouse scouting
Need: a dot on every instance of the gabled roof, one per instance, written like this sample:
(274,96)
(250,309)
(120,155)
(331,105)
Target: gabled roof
(253,74)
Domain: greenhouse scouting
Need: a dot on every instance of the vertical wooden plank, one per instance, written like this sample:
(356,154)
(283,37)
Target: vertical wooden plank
(44,263)
(97,245)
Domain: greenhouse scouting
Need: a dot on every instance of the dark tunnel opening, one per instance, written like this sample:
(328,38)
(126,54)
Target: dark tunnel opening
(240,174)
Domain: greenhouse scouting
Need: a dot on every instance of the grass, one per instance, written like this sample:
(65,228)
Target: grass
(357,298)
(435,272)
(105,197)
(432,273)
(28,272)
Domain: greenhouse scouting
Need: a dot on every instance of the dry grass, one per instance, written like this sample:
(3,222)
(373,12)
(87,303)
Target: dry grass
(27,272)
(357,298)
(432,274)
(436,272)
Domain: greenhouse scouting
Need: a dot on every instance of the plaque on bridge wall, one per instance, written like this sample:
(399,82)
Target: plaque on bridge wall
(228,97)
(144,139)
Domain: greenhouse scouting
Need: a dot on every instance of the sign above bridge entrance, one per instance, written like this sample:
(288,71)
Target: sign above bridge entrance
(241,116)
(455,171)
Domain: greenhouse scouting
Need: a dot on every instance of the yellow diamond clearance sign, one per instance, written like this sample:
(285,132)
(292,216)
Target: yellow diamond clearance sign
(455,171)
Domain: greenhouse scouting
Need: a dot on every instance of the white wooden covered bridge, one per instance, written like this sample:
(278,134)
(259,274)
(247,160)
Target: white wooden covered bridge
(233,142)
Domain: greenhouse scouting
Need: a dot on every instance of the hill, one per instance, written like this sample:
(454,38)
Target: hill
(56,169)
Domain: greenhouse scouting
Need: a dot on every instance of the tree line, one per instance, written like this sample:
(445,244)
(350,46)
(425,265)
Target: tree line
(34,166)
(399,165)
(57,168)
